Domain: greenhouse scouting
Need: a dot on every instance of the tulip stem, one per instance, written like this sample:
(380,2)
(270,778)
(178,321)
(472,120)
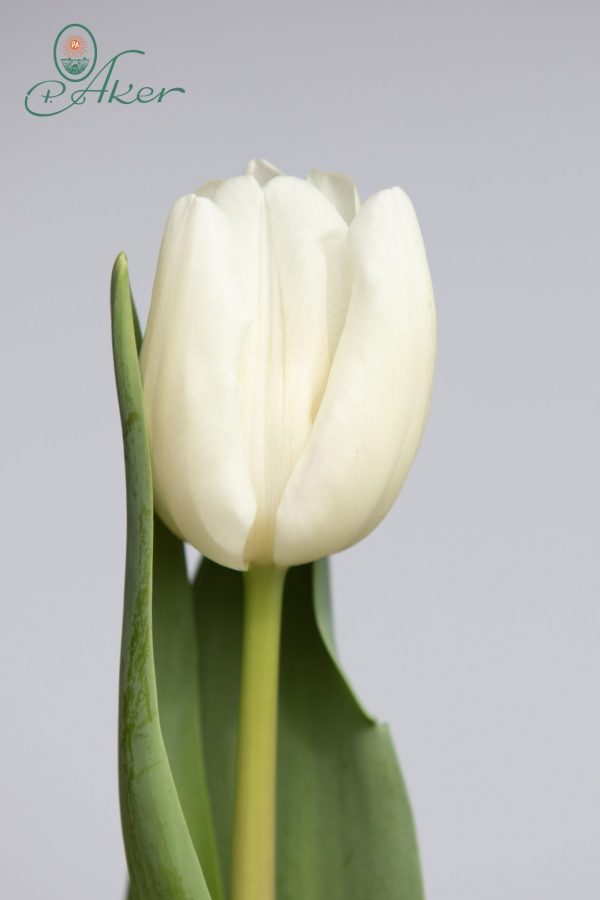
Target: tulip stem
(253,872)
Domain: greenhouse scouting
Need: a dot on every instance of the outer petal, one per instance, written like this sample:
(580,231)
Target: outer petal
(310,293)
(376,401)
(190,361)
(339,189)
(293,254)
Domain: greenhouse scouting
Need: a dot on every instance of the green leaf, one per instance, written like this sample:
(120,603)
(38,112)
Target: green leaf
(348,813)
(159,842)
(176,667)
(345,827)
(219,603)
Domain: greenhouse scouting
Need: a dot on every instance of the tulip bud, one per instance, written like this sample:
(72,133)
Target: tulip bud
(287,364)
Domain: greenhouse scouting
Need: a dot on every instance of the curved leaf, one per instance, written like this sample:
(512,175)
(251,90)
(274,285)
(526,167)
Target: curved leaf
(345,827)
(344,823)
(160,851)
(219,619)
(176,666)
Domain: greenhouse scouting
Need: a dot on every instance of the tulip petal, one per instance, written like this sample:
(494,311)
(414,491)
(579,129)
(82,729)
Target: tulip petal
(189,362)
(262,170)
(373,411)
(209,188)
(339,189)
(310,260)
(293,253)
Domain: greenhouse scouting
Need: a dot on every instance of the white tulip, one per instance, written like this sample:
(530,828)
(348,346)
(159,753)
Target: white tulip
(287,364)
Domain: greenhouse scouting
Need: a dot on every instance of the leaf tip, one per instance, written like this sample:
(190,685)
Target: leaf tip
(120,271)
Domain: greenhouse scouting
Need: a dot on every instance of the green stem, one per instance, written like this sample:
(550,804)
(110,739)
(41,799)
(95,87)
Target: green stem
(253,873)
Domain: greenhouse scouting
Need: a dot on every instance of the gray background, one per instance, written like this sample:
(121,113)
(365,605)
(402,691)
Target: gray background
(469,619)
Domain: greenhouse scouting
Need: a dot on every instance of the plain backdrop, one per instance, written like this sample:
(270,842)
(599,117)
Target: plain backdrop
(470,618)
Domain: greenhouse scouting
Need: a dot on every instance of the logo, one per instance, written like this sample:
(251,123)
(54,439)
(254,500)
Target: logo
(75,52)
(75,59)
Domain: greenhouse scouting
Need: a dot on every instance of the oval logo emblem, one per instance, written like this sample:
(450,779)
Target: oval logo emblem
(75,52)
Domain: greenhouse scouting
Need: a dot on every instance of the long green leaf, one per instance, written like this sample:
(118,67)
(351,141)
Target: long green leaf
(219,604)
(160,850)
(175,660)
(345,827)
(345,824)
